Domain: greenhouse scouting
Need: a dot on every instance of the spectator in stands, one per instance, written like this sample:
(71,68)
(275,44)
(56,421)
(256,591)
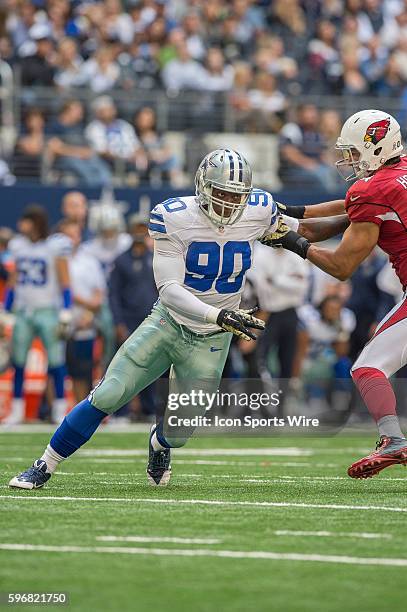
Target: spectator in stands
(139,66)
(239,95)
(353,81)
(58,15)
(250,20)
(271,57)
(302,148)
(69,148)
(30,146)
(267,104)
(217,76)
(118,23)
(69,64)
(287,19)
(194,34)
(400,55)
(391,84)
(183,72)
(115,139)
(132,291)
(373,59)
(323,55)
(88,291)
(39,68)
(160,158)
(101,72)
(19,23)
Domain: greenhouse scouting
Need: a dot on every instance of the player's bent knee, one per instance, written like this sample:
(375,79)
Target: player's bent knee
(176,442)
(109,395)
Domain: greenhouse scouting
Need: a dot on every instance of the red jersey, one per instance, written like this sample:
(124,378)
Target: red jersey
(382,199)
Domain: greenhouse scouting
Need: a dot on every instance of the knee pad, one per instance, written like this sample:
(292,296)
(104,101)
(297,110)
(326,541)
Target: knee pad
(109,395)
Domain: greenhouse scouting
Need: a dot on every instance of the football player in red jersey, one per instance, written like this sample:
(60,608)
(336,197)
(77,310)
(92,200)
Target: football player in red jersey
(370,150)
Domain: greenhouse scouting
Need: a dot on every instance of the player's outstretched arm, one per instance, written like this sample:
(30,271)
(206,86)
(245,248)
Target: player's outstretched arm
(317,230)
(357,242)
(313,211)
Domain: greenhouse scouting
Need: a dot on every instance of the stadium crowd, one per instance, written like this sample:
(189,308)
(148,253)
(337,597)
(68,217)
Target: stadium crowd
(252,60)
(315,325)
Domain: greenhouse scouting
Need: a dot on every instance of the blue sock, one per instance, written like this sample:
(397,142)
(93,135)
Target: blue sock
(76,428)
(160,435)
(58,375)
(18,381)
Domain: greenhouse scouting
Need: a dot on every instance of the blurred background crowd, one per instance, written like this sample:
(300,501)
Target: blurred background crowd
(130,91)
(316,326)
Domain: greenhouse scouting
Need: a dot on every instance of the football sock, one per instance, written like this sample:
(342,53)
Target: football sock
(378,395)
(18,381)
(76,428)
(52,459)
(158,441)
(389,426)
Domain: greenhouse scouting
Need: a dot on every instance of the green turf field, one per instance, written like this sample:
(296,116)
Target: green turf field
(235,530)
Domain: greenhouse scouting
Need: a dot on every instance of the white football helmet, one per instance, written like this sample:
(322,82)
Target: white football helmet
(368,140)
(226,170)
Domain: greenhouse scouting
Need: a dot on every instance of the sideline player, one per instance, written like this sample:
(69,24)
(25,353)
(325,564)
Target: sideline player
(203,249)
(39,292)
(370,147)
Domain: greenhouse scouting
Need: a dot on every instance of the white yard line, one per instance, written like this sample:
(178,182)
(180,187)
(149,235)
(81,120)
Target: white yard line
(110,538)
(205,452)
(205,502)
(230,554)
(209,462)
(333,534)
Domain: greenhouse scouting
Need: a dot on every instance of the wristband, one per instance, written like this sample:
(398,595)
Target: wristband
(296,243)
(295,211)
(9,299)
(67,297)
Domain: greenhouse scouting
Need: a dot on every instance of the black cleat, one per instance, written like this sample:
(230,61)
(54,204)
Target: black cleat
(159,464)
(34,478)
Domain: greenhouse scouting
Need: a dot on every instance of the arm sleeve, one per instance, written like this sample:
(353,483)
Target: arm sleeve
(169,273)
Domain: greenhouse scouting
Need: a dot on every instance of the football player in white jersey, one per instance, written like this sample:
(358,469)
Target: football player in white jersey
(110,241)
(203,249)
(38,292)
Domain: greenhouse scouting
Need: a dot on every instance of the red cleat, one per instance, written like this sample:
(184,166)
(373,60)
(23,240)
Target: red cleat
(389,451)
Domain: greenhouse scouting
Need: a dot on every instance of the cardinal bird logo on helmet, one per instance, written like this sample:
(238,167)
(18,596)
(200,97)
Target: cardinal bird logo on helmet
(377,131)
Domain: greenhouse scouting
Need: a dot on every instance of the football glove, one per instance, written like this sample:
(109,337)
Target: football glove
(239,321)
(65,326)
(286,238)
(291,211)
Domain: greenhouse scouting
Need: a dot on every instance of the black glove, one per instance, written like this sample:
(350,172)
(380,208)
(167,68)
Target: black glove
(291,211)
(238,322)
(288,239)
